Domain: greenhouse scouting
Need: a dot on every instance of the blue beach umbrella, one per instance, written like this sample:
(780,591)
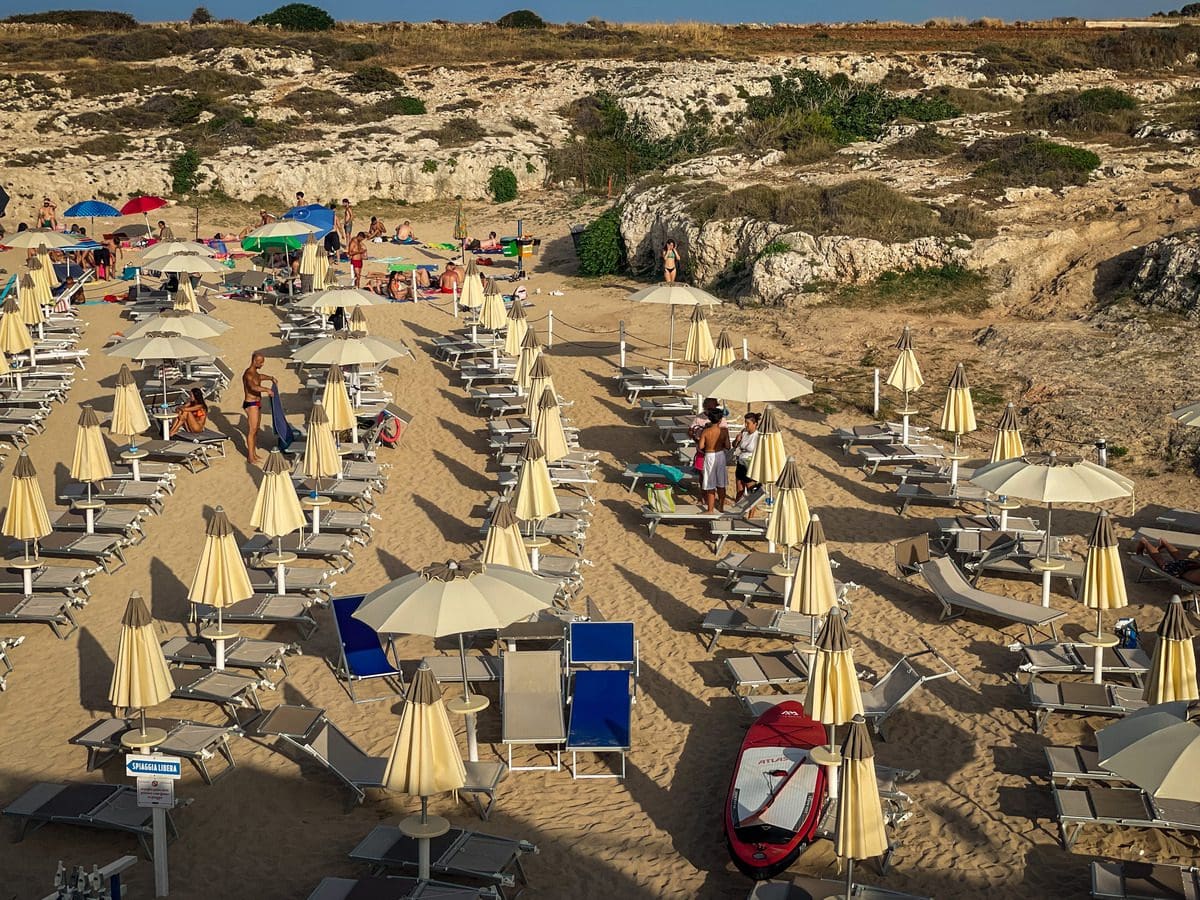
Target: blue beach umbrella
(90,209)
(314,214)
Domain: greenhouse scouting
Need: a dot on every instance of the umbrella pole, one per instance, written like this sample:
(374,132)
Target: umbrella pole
(462,653)
(849,878)
(904,421)
(671,345)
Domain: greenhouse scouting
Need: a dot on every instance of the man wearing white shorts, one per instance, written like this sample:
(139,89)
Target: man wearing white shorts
(713,442)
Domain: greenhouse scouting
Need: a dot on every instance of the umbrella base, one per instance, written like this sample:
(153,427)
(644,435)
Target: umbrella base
(136,739)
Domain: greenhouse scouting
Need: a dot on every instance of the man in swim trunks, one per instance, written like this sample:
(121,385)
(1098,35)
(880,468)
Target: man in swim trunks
(713,442)
(1170,559)
(347,218)
(404,232)
(47,216)
(252,387)
(357,251)
(451,279)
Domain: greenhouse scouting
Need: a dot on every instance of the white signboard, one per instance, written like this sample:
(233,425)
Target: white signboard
(140,766)
(156,792)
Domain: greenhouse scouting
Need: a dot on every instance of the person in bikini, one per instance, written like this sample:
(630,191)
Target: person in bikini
(47,216)
(252,386)
(192,415)
(670,258)
(1170,559)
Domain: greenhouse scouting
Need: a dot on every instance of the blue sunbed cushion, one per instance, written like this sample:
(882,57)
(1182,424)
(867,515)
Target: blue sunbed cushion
(601,707)
(595,643)
(365,657)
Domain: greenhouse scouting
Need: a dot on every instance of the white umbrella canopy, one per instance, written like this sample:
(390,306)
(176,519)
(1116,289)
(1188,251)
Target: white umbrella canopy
(32,238)
(158,345)
(188,264)
(345,297)
(548,428)
(1157,748)
(283,228)
(750,381)
(141,677)
(531,349)
(164,249)
(193,325)
(673,294)
(349,350)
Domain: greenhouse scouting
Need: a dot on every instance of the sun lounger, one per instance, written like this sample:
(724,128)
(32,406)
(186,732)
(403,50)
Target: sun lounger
(634,388)
(801,888)
(139,493)
(229,691)
(458,854)
(875,433)
(397,888)
(262,657)
(106,549)
(691,513)
(1184,540)
(1086,699)
(531,704)
(212,442)
(774,669)
(1122,880)
(1181,520)
(306,580)
(1002,554)
(195,741)
(1148,568)
(361,654)
(56,612)
(939,494)
(110,520)
(887,455)
(638,472)
(771,588)
(344,490)
(347,521)
(756,623)
(738,529)
(957,596)
(332,547)
(601,716)
(659,406)
(1120,806)
(264,609)
(184,453)
(447,669)
(1066,658)
(1072,764)
(107,807)
(307,729)
(69,580)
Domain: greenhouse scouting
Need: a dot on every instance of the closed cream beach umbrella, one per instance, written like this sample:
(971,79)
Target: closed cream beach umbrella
(673,294)
(358,321)
(540,378)
(472,288)
(185,297)
(905,376)
(535,499)
(766,462)
(179,321)
(14,336)
(789,514)
(549,431)
(813,592)
(1008,443)
(518,324)
(958,414)
(277,509)
(503,545)
(26,518)
(1103,584)
(46,273)
(321,273)
(833,697)
(531,349)
(860,827)
(492,315)
(336,401)
(309,251)
(90,462)
(723,354)
(1156,748)
(141,677)
(30,297)
(129,412)
(1173,669)
(321,458)
(699,349)
(221,578)
(750,381)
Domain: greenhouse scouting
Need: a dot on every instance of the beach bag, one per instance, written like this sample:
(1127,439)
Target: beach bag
(698,461)
(661,498)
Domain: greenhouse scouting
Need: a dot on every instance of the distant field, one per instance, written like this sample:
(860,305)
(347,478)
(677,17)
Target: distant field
(1033,48)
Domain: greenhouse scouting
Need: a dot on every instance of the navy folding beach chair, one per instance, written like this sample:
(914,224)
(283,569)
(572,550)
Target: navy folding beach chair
(362,655)
(602,644)
(601,698)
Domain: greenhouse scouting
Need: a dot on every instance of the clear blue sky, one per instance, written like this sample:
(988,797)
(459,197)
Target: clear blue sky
(636,10)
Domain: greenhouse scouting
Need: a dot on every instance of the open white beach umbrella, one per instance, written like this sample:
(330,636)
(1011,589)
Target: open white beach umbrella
(188,264)
(195,325)
(766,462)
(673,294)
(141,677)
(723,353)
(860,830)
(155,346)
(750,381)
(344,297)
(504,545)
(1156,748)
(699,349)
(344,349)
(129,412)
(1008,443)
(472,286)
(492,315)
(1173,668)
(32,238)
(165,249)
(518,324)
(282,228)
(549,428)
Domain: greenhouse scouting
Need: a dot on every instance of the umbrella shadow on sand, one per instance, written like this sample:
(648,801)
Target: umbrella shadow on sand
(465,437)
(453,530)
(393,567)
(463,474)
(168,593)
(95,673)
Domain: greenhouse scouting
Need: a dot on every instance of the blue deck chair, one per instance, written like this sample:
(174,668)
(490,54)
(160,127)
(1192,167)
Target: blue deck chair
(602,644)
(601,716)
(362,655)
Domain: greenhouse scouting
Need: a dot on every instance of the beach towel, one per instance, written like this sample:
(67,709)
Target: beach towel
(283,429)
(662,472)
(442,246)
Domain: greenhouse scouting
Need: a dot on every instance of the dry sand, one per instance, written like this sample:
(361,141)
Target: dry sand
(273,827)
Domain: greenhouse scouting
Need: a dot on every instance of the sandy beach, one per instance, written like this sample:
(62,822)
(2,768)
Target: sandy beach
(982,814)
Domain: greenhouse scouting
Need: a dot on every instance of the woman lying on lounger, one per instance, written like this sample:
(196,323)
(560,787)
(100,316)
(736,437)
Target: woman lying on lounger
(1170,559)
(192,415)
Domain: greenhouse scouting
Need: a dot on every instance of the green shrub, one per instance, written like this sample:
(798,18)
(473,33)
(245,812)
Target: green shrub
(105,145)
(502,184)
(201,16)
(373,78)
(926,143)
(90,19)
(969,100)
(961,217)
(314,100)
(185,172)
(397,105)
(458,132)
(1023,160)
(1094,111)
(601,248)
(429,166)
(521,18)
(937,289)
(297,17)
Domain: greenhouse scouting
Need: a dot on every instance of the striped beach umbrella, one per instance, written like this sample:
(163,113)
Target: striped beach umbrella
(1173,669)
(1008,443)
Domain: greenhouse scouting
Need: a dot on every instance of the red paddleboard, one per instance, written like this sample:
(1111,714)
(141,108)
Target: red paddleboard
(776,794)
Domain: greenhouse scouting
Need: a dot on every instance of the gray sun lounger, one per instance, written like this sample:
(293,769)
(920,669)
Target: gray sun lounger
(1084,699)
(397,888)
(185,453)
(738,529)
(801,888)
(756,623)
(262,657)
(957,595)
(1120,806)
(110,520)
(347,521)
(1072,764)
(954,525)
(197,742)
(1184,540)
(265,609)
(886,455)
(1148,568)
(1123,880)
(1181,520)
(107,807)
(141,493)
(447,669)
(19,609)
(228,690)
(759,670)
(360,494)
(771,587)
(212,442)
(105,549)
(69,580)
(939,493)
(304,580)
(531,703)
(1068,658)
(1001,554)
(692,514)
(332,547)
(459,853)
(874,434)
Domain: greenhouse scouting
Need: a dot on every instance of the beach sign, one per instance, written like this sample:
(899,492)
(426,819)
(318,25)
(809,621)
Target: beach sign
(156,793)
(163,767)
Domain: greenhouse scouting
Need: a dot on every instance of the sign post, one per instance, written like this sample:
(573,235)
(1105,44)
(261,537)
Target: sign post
(156,776)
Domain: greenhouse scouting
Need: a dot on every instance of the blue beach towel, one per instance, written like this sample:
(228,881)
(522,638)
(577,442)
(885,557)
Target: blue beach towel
(283,429)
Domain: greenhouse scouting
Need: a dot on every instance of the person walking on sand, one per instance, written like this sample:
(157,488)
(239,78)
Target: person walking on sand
(670,257)
(357,251)
(714,441)
(252,387)
(347,219)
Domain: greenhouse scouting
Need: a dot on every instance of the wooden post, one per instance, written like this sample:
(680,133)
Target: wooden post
(875,394)
(550,329)
(622,342)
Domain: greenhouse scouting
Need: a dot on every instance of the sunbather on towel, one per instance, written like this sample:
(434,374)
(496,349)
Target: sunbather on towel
(451,278)
(376,231)
(404,233)
(492,244)
(1170,559)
